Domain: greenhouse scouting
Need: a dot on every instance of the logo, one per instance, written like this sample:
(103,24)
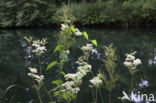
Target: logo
(138,97)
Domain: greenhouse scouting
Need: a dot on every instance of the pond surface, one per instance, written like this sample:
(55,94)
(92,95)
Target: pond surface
(15,58)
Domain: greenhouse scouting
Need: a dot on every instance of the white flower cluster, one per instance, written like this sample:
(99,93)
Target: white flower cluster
(70,87)
(39,46)
(83,67)
(96,81)
(74,79)
(87,48)
(64,26)
(78,33)
(33,74)
(72,76)
(131,62)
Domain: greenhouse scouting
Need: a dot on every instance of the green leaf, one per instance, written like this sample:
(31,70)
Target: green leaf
(62,73)
(57,48)
(52,102)
(11,86)
(65,96)
(94,42)
(54,89)
(79,76)
(73,29)
(56,93)
(57,82)
(85,35)
(51,64)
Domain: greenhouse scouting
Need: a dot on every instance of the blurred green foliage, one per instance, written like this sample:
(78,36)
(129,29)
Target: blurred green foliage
(133,12)
(38,13)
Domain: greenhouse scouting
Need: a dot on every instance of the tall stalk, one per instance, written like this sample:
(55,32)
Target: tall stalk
(39,96)
(110,93)
(131,85)
(60,70)
(39,61)
(46,90)
(96,95)
(101,95)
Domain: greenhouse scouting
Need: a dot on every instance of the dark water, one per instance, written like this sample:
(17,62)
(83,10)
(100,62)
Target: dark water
(15,58)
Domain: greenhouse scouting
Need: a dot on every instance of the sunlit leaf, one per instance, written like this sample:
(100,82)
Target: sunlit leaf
(73,29)
(94,42)
(85,35)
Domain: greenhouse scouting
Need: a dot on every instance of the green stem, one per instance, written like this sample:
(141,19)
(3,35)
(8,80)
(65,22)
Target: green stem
(39,61)
(60,70)
(46,90)
(75,98)
(39,96)
(96,94)
(110,96)
(93,94)
(101,95)
(131,85)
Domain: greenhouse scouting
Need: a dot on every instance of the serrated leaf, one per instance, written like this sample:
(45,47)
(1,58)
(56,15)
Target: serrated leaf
(85,35)
(51,64)
(94,42)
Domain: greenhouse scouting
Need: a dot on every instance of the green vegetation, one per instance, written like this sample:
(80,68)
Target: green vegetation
(48,13)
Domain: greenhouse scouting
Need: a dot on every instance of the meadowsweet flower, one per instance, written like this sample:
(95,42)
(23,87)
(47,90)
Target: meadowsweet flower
(87,48)
(74,79)
(128,64)
(137,62)
(64,26)
(40,50)
(131,62)
(67,51)
(96,81)
(39,46)
(40,78)
(78,33)
(33,70)
(70,76)
(70,86)
(130,57)
(84,69)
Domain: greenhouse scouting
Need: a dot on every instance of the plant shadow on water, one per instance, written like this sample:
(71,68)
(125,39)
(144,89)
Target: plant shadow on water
(15,58)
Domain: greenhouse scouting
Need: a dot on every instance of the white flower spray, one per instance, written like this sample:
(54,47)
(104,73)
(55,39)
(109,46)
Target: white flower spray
(131,62)
(74,79)
(38,48)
